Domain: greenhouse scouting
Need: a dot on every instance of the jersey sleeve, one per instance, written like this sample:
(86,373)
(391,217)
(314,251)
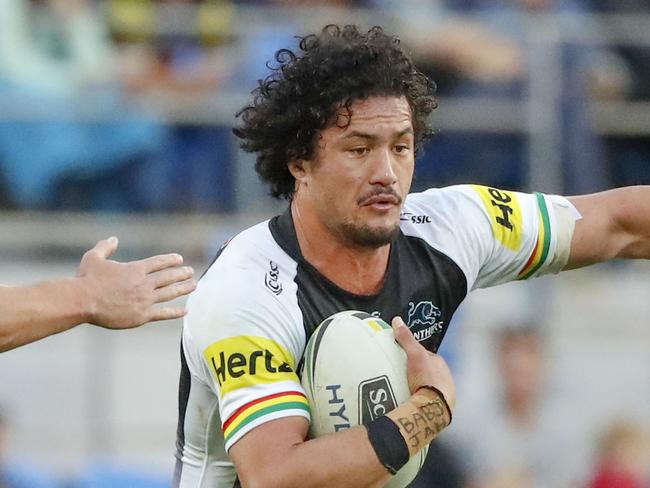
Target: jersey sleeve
(247,344)
(495,235)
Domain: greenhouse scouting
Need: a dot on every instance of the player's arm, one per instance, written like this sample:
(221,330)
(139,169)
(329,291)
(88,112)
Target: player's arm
(614,224)
(277,454)
(105,293)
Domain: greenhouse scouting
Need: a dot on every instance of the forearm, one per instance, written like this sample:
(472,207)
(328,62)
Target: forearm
(343,459)
(614,224)
(633,220)
(421,419)
(29,313)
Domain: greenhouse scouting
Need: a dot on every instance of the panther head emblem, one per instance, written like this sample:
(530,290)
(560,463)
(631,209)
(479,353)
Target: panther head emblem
(424,319)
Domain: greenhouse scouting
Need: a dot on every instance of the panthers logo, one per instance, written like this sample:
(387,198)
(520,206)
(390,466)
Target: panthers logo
(424,320)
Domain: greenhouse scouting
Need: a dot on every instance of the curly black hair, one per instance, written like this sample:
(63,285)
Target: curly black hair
(306,89)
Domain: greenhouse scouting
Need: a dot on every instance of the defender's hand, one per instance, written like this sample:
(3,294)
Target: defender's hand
(124,295)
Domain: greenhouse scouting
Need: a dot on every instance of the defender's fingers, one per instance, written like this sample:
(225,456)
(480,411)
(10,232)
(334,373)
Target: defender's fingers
(167,313)
(160,262)
(105,248)
(170,276)
(176,290)
(403,336)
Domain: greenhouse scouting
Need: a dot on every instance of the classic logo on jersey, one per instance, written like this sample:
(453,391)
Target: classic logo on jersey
(376,398)
(505,215)
(272,279)
(424,320)
(415,219)
(243,361)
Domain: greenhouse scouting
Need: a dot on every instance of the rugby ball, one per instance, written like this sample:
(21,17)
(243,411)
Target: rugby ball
(353,371)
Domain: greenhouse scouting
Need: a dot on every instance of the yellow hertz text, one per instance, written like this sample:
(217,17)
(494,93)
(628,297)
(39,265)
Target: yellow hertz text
(243,361)
(505,215)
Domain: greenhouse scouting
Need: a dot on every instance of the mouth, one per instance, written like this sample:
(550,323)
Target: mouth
(383,201)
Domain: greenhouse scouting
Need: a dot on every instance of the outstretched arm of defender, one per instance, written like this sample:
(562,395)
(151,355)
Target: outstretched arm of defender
(105,293)
(614,224)
(276,454)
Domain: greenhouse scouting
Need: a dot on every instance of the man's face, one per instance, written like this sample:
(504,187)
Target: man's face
(362,171)
(521,361)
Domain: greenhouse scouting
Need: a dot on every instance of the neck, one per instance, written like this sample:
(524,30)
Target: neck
(356,269)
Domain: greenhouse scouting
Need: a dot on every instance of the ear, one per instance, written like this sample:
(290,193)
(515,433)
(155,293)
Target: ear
(298,170)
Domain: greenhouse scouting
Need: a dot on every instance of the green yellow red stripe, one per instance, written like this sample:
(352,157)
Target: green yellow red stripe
(374,325)
(543,244)
(382,323)
(286,400)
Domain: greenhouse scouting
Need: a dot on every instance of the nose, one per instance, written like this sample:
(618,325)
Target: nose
(383,169)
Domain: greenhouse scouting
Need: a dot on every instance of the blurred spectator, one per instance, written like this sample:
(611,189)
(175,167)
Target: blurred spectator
(276,27)
(470,58)
(173,47)
(177,54)
(55,46)
(64,113)
(623,458)
(487,56)
(629,155)
(514,439)
(635,73)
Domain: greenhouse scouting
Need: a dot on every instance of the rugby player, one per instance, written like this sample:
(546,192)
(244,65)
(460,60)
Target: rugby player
(336,127)
(104,293)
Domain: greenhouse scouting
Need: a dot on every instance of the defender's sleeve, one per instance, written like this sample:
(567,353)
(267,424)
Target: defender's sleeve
(517,235)
(248,344)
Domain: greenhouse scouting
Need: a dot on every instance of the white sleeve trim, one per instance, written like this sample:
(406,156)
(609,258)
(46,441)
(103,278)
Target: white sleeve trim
(565,216)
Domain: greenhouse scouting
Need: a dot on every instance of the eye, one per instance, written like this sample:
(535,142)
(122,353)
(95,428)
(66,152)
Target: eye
(359,151)
(401,148)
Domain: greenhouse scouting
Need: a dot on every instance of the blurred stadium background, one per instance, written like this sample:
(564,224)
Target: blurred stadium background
(115,119)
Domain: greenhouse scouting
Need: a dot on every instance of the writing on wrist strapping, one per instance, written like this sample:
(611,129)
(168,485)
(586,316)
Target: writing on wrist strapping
(440,395)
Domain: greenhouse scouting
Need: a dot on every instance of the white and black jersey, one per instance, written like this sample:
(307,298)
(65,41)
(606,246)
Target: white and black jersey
(257,305)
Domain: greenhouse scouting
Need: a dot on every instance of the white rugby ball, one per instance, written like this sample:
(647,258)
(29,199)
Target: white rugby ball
(353,372)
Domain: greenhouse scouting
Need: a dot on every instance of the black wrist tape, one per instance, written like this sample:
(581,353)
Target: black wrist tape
(388,443)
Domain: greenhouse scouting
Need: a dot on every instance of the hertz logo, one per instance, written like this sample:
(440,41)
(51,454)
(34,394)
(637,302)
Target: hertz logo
(244,361)
(238,365)
(505,215)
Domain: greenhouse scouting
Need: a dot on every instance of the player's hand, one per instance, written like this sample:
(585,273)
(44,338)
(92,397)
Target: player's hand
(126,295)
(424,367)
